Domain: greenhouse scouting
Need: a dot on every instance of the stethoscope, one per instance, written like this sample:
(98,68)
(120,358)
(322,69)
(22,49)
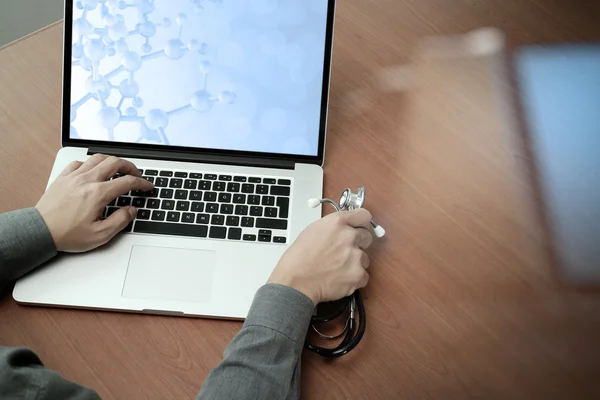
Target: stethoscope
(353,304)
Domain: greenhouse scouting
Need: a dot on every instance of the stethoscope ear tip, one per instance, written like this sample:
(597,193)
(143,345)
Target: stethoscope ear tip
(379,231)
(314,203)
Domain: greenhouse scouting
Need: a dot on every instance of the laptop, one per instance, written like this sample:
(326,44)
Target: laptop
(222,105)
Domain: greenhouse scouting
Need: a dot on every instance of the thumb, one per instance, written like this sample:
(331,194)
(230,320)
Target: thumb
(116,223)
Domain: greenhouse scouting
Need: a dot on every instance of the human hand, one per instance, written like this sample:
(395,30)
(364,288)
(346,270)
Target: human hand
(327,261)
(72,206)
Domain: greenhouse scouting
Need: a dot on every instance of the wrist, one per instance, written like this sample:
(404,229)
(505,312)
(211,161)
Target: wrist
(295,284)
(51,230)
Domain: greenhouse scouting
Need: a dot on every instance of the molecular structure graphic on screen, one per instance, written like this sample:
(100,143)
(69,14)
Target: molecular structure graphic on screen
(93,44)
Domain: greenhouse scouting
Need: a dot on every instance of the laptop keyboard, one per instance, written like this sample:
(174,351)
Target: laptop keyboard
(213,206)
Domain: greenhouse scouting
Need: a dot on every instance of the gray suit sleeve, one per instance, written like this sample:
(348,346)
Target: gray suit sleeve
(263,360)
(25,243)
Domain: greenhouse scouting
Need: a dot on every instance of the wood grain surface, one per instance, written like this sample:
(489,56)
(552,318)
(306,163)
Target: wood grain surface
(462,303)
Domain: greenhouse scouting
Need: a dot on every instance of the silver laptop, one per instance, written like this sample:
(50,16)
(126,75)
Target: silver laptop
(223,105)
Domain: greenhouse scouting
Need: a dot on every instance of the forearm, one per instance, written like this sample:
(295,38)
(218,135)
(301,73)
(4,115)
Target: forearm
(263,360)
(25,243)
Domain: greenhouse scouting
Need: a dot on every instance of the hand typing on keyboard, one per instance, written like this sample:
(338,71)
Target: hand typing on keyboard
(74,204)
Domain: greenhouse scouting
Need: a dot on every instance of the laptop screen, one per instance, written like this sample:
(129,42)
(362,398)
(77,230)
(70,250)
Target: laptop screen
(243,75)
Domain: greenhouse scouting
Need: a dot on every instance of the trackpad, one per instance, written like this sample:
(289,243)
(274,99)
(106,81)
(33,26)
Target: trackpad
(168,274)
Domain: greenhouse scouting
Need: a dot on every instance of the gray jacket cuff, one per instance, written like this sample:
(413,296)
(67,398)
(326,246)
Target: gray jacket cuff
(25,243)
(282,309)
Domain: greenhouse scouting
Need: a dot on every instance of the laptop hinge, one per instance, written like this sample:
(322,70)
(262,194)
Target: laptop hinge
(196,158)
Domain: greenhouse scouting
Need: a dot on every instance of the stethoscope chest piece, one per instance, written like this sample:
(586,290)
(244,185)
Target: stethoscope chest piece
(352,201)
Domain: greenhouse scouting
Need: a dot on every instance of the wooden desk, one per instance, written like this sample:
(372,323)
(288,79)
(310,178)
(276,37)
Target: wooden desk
(462,302)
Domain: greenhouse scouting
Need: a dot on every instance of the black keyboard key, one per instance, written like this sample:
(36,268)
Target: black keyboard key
(113,203)
(248,222)
(151,172)
(203,219)
(143,214)
(128,227)
(264,238)
(181,174)
(224,197)
(262,189)
(196,195)
(166,173)
(217,232)
(111,211)
(254,180)
(268,201)
(167,205)
(254,200)
(233,187)
(212,208)
(250,238)
(280,190)
(232,221)
(139,202)
(123,201)
(241,210)
(247,188)
(166,193)
(219,186)
(284,206)
(162,228)
(181,194)
(149,179)
(153,193)
(256,211)
(161,182)
(271,212)
(188,218)
(279,239)
(217,219)
(270,223)
(227,209)
(136,193)
(239,198)
(210,196)
(173,216)
(190,184)
(197,206)
(195,175)
(176,183)
(212,177)
(204,185)
(153,203)
(264,232)
(183,206)
(226,178)
(234,234)
(269,181)
(157,215)
(285,182)
(239,179)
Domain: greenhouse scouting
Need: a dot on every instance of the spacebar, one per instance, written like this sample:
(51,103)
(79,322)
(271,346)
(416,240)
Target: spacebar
(162,228)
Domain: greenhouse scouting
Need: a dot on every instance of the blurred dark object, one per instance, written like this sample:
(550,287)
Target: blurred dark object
(560,95)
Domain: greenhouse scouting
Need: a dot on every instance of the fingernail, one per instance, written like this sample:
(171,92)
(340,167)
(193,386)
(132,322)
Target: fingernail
(132,212)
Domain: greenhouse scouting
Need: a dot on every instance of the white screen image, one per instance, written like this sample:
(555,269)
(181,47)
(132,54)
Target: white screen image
(221,74)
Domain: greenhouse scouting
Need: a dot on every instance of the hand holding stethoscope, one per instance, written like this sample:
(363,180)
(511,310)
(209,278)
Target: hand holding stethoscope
(353,305)
(349,201)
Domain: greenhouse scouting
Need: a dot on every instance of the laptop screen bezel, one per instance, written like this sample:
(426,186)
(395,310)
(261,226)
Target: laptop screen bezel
(308,159)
